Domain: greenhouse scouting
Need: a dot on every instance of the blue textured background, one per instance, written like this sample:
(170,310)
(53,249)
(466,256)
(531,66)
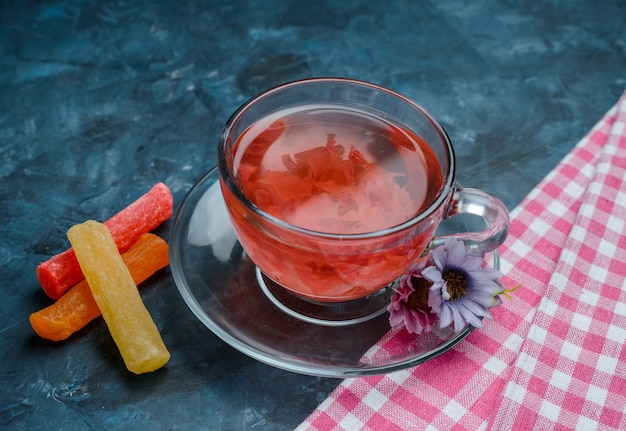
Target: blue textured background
(101,99)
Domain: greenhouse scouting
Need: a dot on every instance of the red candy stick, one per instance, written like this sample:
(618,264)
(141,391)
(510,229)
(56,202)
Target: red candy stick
(60,272)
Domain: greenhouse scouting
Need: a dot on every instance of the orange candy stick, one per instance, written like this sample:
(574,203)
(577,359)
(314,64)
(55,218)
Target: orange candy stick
(130,324)
(77,307)
(60,272)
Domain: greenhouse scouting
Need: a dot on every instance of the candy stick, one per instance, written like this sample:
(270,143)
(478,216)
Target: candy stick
(77,307)
(116,294)
(60,272)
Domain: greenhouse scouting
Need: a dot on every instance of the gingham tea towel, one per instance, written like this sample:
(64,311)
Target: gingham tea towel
(553,357)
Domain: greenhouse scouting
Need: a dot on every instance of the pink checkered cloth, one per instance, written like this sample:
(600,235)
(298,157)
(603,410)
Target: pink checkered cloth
(553,358)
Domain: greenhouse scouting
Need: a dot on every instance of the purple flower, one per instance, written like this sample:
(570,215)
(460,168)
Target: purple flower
(462,291)
(409,304)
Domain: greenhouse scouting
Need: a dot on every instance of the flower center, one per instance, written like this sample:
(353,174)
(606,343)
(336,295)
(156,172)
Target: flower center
(418,300)
(457,283)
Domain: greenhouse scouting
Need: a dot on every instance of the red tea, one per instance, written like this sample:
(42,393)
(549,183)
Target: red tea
(332,170)
(335,170)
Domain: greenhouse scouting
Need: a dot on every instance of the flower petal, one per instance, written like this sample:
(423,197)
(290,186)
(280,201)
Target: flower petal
(458,319)
(487,289)
(396,320)
(486,274)
(456,253)
(483,299)
(445,317)
(438,258)
(432,274)
(445,295)
(475,308)
(471,318)
(435,300)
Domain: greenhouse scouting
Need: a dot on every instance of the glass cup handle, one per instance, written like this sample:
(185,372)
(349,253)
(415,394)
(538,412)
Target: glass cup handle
(484,205)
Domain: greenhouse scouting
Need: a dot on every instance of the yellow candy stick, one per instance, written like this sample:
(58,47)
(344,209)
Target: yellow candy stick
(116,294)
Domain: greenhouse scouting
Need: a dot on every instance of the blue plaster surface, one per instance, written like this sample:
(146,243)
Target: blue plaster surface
(99,100)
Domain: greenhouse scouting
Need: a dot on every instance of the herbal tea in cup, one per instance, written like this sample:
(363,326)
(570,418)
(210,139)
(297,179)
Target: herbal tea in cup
(335,187)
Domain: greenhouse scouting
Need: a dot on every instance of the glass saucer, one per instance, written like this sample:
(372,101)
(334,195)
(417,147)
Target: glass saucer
(224,289)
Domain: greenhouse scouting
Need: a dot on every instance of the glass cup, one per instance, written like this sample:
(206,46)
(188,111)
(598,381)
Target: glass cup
(335,187)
